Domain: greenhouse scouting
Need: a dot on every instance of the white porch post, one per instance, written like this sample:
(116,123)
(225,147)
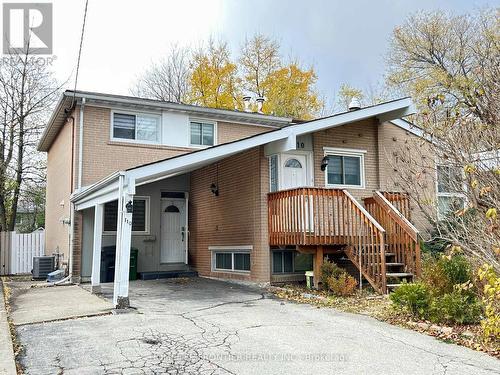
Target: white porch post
(96,253)
(123,242)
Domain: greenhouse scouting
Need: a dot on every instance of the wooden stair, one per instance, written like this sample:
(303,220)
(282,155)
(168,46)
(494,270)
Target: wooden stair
(377,238)
(395,258)
(395,272)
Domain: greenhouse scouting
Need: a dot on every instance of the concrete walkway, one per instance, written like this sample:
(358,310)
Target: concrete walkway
(43,303)
(7,362)
(201,326)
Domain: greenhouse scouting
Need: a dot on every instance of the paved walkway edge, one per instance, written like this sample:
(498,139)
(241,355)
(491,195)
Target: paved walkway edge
(7,361)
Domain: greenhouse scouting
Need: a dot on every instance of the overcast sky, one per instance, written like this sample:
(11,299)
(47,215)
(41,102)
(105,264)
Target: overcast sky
(345,41)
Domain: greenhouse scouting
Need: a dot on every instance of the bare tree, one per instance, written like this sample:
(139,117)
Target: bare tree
(27,91)
(454,57)
(464,211)
(450,65)
(168,79)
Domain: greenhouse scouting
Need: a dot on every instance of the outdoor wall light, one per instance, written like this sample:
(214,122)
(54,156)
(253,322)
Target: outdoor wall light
(129,206)
(214,189)
(324,163)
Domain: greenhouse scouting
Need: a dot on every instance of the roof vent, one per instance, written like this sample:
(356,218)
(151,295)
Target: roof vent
(246,103)
(354,104)
(260,102)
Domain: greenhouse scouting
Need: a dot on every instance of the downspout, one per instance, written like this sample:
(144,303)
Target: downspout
(71,188)
(71,207)
(80,145)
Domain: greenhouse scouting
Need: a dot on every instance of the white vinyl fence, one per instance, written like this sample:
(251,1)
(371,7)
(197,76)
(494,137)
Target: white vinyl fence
(18,249)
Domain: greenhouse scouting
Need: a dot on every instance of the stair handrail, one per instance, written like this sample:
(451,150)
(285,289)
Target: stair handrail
(381,285)
(365,213)
(407,226)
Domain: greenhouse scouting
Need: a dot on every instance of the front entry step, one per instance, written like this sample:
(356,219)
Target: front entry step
(167,274)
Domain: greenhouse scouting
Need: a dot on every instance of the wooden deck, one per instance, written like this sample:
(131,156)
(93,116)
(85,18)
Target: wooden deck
(318,218)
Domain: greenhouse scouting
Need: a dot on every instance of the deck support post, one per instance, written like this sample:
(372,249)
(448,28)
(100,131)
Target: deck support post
(96,250)
(318,262)
(123,242)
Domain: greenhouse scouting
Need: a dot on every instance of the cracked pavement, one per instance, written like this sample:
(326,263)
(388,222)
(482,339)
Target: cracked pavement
(204,326)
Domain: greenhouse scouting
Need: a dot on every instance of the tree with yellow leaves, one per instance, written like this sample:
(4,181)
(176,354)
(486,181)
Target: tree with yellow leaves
(288,89)
(289,92)
(213,81)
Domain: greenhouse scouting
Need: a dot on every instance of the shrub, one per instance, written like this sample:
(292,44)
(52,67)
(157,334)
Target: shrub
(491,301)
(443,273)
(413,297)
(456,268)
(329,269)
(456,307)
(343,285)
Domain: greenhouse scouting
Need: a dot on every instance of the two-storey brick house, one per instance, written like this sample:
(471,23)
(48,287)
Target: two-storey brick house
(230,194)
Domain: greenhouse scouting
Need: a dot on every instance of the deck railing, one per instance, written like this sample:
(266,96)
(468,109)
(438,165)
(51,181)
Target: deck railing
(401,236)
(319,216)
(400,200)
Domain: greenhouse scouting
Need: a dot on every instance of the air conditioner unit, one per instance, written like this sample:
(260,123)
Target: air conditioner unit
(42,266)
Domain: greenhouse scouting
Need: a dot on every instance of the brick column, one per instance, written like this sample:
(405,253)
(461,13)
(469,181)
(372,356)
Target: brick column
(77,247)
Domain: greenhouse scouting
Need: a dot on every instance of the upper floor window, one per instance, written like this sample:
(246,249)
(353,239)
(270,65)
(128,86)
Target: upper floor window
(345,168)
(140,127)
(202,133)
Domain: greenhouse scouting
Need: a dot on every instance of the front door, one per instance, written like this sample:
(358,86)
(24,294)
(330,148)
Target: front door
(173,231)
(295,175)
(294,171)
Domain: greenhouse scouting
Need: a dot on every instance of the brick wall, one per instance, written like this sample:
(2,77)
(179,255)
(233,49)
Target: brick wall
(393,143)
(77,245)
(361,135)
(227,132)
(102,157)
(383,144)
(236,217)
(58,192)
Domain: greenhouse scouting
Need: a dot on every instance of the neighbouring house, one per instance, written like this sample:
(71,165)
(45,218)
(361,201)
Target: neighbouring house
(229,194)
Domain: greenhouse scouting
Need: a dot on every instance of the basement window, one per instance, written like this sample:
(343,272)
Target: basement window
(289,261)
(140,216)
(228,259)
(136,127)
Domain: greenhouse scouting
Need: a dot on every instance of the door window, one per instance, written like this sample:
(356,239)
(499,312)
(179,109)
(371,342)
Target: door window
(293,163)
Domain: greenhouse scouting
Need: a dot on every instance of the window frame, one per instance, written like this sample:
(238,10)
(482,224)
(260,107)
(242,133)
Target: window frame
(360,154)
(282,251)
(202,121)
(275,158)
(447,194)
(214,250)
(147,221)
(136,113)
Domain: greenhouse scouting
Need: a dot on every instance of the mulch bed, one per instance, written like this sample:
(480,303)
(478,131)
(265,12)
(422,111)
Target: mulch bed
(380,307)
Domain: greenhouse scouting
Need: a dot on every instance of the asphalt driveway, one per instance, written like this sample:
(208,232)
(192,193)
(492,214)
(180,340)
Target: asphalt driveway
(203,326)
